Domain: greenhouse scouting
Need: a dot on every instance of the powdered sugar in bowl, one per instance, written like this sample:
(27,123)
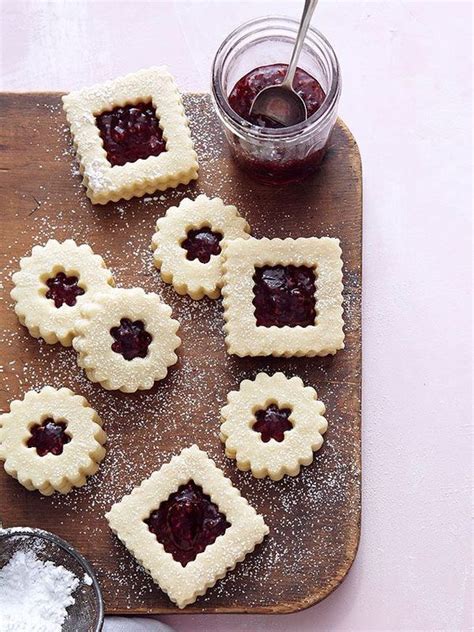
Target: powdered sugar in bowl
(58,588)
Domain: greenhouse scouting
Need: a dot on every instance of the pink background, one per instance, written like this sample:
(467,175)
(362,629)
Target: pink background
(407,97)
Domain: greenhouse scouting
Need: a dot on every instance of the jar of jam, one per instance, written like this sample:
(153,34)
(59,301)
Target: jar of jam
(255,56)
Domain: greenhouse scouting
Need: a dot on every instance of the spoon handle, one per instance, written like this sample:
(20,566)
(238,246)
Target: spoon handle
(309,7)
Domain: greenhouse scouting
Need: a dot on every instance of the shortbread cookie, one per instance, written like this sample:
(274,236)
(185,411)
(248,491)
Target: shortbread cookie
(272,425)
(126,339)
(53,283)
(187,244)
(283,297)
(187,525)
(131,136)
(52,440)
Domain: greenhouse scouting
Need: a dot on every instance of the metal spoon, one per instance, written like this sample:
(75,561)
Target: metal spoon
(280,103)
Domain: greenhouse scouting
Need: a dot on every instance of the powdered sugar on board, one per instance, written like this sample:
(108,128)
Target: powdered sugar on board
(309,516)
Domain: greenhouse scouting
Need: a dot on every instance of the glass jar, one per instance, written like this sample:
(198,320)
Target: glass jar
(276,156)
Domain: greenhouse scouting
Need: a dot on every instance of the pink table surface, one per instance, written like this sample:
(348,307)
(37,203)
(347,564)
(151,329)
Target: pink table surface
(407,98)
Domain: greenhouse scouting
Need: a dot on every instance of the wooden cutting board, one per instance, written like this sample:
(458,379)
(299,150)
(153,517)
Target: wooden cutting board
(314,519)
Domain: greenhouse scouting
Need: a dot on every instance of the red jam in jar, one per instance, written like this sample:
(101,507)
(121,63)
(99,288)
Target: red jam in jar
(250,59)
(247,88)
(240,100)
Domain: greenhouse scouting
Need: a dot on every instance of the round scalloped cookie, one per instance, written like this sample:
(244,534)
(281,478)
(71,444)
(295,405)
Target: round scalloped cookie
(74,274)
(126,339)
(80,454)
(194,276)
(273,457)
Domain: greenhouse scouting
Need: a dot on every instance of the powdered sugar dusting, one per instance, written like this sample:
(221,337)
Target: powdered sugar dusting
(311,516)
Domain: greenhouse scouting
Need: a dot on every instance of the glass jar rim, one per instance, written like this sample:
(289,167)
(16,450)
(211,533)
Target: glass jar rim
(242,126)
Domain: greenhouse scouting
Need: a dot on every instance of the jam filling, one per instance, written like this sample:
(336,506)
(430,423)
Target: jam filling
(48,437)
(130,133)
(187,523)
(284,296)
(131,339)
(63,289)
(272,423)
(246,89)
(202,244)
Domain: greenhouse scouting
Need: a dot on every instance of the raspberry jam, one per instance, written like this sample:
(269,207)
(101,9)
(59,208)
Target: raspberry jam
(247,61)
(202,244)
(63,290)
(48,437)
(272,423)
(284,296)
(246,89)
(131,339)
(270,158)
(130,133)
(187,523)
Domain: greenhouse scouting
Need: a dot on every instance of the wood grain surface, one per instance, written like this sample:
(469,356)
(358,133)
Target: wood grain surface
(314,519)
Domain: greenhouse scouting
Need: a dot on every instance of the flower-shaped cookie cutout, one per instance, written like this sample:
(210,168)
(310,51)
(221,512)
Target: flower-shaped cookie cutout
(52,440)
(53,283)
(187,244)
(126,339)
(272,425)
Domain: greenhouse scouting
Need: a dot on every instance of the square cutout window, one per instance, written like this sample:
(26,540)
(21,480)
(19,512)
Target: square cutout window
(283,297)
(131,136)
